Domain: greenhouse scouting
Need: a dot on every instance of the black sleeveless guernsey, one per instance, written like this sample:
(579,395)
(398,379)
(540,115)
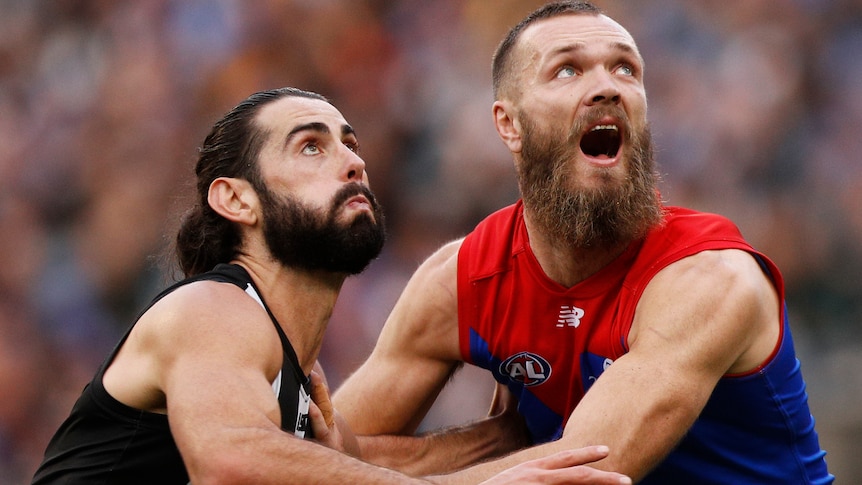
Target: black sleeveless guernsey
(106,442)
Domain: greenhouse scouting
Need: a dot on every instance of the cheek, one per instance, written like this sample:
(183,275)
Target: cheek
(559,114)
(550,105)
(637,107)
(313,195)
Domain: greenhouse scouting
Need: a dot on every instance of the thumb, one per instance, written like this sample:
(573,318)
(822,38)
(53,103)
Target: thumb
(320,397)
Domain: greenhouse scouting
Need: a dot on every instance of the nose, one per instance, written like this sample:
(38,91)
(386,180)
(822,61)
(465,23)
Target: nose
(354,166)
(604,90)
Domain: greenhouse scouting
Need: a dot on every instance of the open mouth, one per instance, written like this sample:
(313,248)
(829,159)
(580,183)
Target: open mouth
(601,141)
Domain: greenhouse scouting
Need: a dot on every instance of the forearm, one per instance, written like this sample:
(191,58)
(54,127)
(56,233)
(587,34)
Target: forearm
(446,450)
(483,471)
(265,457)
(638,439)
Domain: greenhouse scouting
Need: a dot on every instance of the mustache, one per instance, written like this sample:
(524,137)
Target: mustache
(352,190)
(593,116)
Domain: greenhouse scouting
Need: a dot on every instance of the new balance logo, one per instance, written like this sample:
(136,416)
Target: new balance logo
(570,316)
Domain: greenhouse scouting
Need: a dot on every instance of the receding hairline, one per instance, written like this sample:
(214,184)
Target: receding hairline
(504,55)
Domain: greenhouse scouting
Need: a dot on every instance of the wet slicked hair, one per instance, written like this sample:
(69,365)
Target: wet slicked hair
(230,150)
(501,72)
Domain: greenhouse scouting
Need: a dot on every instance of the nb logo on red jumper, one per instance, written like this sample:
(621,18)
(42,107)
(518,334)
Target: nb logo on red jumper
(570,316)
(526,368)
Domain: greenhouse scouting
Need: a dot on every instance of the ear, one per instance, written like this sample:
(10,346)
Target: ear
(507,125)
(234,199)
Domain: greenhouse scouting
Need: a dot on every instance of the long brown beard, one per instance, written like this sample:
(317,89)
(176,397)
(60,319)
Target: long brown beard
(617,212)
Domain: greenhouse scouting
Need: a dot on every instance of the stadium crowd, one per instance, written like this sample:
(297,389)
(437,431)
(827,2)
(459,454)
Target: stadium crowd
(756,109)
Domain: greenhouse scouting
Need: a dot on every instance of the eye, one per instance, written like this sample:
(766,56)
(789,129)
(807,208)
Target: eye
(625,70)
(310,149)
(352,146)
(566,71)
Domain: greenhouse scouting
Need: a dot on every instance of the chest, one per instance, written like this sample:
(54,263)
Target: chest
(553,343)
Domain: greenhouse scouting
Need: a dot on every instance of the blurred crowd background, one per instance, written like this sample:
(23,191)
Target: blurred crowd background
(756,108)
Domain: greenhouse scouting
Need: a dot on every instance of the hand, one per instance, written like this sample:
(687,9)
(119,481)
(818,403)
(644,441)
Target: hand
(323,410)
(327,425)
(564,467)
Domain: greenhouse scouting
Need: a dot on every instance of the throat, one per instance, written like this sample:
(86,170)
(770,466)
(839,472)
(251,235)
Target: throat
(575,267)
(568,266)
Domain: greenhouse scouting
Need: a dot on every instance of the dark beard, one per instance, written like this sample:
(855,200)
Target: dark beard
(616,213)
(299,237)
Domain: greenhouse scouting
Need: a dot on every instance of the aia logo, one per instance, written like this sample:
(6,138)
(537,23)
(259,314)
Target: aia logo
(527,368)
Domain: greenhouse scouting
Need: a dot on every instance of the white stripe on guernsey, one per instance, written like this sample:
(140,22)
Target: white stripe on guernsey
(250,290)
(301,413)
(276,384)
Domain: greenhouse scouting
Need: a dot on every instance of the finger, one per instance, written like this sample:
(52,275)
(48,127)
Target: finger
(320,396)
(563,467)
(567,465)
(579,456)
(318,423)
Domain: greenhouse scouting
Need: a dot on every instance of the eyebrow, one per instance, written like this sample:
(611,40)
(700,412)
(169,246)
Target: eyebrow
(621,46)
(318,127)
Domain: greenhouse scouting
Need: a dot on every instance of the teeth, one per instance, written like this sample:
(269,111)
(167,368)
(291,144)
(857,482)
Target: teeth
(605,127)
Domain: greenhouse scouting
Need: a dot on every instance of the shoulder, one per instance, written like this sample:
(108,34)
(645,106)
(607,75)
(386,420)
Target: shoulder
(198,326)
(718,301)
(206,300)
(684,233)
(206,314)
(724,269)
(444,255)
(424,320)
(707,249)
(720,275)
(434,283)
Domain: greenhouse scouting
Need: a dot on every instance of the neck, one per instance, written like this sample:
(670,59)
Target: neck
(301,301)
(566,264)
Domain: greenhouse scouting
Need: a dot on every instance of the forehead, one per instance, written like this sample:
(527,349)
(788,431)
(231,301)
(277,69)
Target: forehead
(281,116)
(574,31)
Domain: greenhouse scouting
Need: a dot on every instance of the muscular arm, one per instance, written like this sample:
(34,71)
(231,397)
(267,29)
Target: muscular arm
(700,318)
(206,354)
(210,371)
(416,352)
(415,355)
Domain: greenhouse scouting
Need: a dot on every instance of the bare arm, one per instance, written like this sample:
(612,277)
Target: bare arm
(416,352)
(210,369)
(207,353)
(453,448)
(700,318)
(415,355)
